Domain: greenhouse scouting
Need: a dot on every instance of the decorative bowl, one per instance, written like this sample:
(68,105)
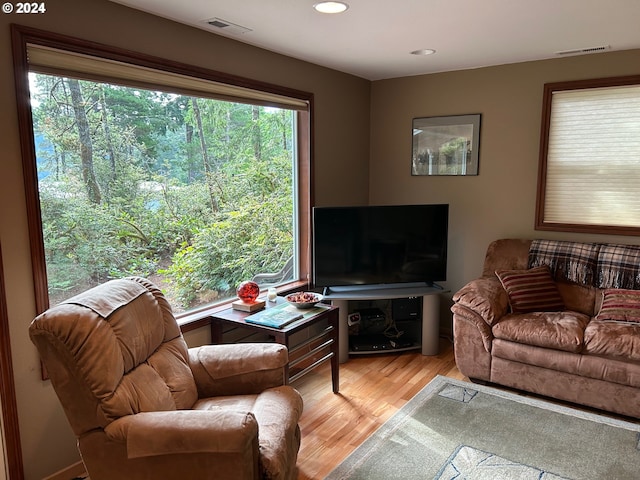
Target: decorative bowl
(303,299)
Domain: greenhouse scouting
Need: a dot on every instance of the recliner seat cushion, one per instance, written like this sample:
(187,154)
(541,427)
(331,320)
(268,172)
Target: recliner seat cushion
(277,411)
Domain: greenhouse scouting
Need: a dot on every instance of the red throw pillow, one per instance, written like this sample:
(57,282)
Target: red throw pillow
(531,290)
(620,305)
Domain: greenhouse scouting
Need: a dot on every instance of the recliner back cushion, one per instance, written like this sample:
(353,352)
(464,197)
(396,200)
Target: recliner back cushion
(115,350)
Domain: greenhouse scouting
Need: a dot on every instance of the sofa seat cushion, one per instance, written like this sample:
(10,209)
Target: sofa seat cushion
(555,330)
(621,372)
(613,339)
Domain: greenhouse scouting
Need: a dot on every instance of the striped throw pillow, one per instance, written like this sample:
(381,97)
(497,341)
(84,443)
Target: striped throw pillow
(620,304)
(531,290)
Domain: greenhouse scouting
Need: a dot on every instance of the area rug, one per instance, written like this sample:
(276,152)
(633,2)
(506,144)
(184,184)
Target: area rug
(458,430)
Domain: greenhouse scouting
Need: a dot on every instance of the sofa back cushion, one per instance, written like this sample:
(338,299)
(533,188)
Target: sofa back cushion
(513,254)
(506,254)
(579,298)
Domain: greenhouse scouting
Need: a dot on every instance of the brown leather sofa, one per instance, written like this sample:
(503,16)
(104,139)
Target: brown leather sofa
(144,406)
(575,353)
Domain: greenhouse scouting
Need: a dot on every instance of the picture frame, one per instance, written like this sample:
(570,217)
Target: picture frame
(447,145)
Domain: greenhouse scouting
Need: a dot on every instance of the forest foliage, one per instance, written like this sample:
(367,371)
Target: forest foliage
(194,193)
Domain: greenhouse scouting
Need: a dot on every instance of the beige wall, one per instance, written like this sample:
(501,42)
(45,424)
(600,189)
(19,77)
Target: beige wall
(341,165)
(500,201)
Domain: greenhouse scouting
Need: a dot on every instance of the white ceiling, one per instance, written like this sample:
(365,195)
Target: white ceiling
(373,38)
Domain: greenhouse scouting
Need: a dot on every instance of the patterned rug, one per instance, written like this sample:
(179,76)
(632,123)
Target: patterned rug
(458,430)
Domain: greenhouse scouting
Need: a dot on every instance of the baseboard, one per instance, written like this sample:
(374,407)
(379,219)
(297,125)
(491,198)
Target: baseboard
(76,470)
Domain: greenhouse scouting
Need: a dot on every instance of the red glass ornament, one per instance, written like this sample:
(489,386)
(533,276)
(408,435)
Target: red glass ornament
(248,291)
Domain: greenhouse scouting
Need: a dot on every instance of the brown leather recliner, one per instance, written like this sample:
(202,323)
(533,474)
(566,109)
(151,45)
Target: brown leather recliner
(144,406)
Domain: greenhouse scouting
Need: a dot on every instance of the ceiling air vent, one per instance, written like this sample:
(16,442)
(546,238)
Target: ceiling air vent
(578,51)
(229,28)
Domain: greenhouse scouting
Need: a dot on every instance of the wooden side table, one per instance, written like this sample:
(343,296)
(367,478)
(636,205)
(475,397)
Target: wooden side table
(327,338)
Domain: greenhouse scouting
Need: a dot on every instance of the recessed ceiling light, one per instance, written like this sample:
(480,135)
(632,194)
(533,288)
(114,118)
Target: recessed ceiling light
(331,7)
(424,51)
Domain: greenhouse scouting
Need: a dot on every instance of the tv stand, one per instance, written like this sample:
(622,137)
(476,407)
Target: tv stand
(429,344)
(383,286)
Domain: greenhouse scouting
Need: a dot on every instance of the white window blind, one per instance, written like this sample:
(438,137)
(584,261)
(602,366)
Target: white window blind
(49,60)
(593,157)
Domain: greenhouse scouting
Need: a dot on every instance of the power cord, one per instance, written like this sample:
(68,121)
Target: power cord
(392,331)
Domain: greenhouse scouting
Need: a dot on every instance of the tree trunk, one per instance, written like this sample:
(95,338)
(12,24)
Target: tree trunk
(205,157)
(86,147)
(191,167)
(283,125)
(255,133)
(109,143)
(107,133)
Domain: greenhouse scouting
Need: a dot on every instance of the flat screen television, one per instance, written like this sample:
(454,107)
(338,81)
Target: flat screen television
(373,246)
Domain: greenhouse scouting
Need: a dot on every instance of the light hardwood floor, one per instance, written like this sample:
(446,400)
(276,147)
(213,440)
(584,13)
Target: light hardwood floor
(372,389)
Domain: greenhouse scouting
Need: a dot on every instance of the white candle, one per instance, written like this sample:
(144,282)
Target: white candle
(272,294)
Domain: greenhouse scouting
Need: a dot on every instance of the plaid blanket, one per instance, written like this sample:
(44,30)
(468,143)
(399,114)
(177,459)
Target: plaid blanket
(572,261)
(619,266)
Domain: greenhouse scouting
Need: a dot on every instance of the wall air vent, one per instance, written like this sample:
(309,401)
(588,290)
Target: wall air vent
(226,27)
(578,51)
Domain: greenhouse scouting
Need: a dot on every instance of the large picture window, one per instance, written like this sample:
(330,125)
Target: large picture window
(143,167)
(589,177)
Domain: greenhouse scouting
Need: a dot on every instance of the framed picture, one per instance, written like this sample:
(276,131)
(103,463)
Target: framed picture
(446,145)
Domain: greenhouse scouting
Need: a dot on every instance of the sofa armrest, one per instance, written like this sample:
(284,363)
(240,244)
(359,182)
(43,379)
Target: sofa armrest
(235,369)
(185,432)
(486,297)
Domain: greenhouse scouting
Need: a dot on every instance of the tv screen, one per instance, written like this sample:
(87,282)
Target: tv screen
(379,245)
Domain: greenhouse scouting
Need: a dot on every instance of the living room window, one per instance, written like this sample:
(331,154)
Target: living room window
(138,166)
(589,173)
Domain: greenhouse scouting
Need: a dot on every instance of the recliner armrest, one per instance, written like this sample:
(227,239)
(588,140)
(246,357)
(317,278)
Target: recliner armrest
(186,431)
(233,369)
(486,297)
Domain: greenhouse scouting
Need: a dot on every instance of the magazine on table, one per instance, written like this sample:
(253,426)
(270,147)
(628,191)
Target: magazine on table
(281,315)
(275,317)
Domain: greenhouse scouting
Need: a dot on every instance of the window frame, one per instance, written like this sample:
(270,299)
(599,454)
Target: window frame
(23,36)
(9,411)
(549,89)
